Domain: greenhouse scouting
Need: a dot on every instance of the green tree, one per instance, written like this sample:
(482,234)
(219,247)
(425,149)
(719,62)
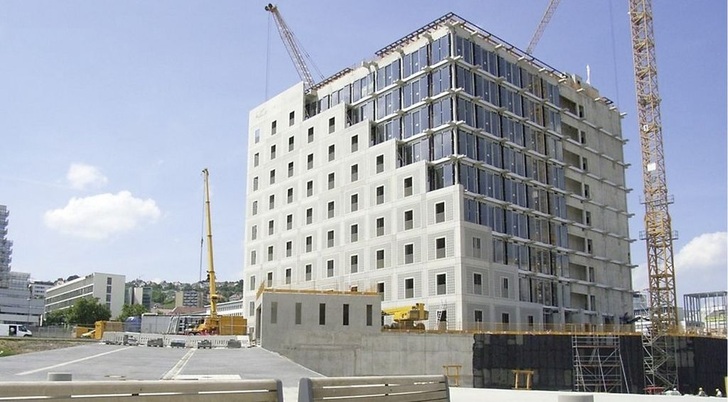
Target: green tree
(56,317)
(158,295)
(131,310)
(87,311)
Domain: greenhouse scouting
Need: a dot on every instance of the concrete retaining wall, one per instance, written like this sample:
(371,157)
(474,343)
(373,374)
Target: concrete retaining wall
(386,353)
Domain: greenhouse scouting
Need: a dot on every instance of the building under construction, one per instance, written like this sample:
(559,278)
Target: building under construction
(452,169)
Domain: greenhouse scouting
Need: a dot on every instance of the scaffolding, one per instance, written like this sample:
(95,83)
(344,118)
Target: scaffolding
(598,365)
(705,313)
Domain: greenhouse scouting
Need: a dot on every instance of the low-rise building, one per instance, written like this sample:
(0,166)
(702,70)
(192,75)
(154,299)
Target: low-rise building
(107,288)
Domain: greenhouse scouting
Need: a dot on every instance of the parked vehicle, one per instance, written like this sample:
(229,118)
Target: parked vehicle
(14,330)
(204,344)
(156,342)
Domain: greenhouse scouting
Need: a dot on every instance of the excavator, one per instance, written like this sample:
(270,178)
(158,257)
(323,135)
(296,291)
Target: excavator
(406,317)
(214,324)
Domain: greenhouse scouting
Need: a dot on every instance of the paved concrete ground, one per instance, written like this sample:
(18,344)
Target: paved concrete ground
(107,362)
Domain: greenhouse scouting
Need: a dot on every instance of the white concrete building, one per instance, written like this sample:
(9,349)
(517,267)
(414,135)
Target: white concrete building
(107,288)
(453,169)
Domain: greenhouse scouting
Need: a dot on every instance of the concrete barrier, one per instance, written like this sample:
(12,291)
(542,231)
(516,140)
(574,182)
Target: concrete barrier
(388,388)
(144,391)
(218,341)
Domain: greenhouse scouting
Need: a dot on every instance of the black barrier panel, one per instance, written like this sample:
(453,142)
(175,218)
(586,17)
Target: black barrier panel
(701,362)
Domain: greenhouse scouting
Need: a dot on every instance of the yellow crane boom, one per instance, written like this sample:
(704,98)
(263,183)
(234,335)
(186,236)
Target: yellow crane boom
(210,264)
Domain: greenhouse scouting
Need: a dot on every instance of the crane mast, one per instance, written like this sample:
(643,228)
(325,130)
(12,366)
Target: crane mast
(295,50)
(550,9)
(660,366)
(210,267)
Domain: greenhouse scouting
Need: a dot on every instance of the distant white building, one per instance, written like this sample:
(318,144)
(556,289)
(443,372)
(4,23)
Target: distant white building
(107,288)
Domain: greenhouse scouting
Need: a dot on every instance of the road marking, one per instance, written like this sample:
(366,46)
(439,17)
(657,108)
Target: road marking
(71,362)
(211,377)
(179,366)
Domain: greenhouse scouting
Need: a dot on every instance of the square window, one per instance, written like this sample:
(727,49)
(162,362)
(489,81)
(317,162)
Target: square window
(440,212)
(310,134)
(289,195)
(291,118)
(289,222)
(257,135)
(354,263)
(477,283)
(330,209)
(255,183)
(354,202)
(330,268)
(505,318)
(354,233)
(272,201)
(332,125)
(380,289)
(332,152)
(309,188)
(380,259)
(380,163)
(309,161)
(288,276)
(290,169)
(409,288)
(330,239)
(477,250)
(253,257)
(409,253)
(504,288)
(309,244)
(255,208)
(478,316)
(332,181)
(407,186)
(289,248)
(354,173)
(271,227)
(254,232)
(308,272)
(291,143)
(256,159)
(309,216)
(273,127)
(440,247)
(380,195)
(408,220)
(272,152)
(270,253)
(272,175)
(380,226)
(354,143)
(441,282)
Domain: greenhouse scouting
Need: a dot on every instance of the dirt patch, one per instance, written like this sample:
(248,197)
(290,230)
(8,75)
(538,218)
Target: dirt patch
(9,347)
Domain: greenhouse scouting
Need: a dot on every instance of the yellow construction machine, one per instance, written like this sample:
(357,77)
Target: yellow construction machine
(406,317)
(214,324)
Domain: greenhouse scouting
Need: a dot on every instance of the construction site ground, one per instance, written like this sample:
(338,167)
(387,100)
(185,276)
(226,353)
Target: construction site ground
(96,361)
(15,346)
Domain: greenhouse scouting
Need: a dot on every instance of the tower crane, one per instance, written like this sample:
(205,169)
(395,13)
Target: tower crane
(294,48)
(659,363)
(659,359)
(550,9)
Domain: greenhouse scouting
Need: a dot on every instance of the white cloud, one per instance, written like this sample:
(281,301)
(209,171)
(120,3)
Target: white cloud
(81,175)
(700,266)
(100,216)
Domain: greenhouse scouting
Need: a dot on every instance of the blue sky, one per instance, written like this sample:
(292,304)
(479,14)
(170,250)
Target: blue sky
(110,110)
